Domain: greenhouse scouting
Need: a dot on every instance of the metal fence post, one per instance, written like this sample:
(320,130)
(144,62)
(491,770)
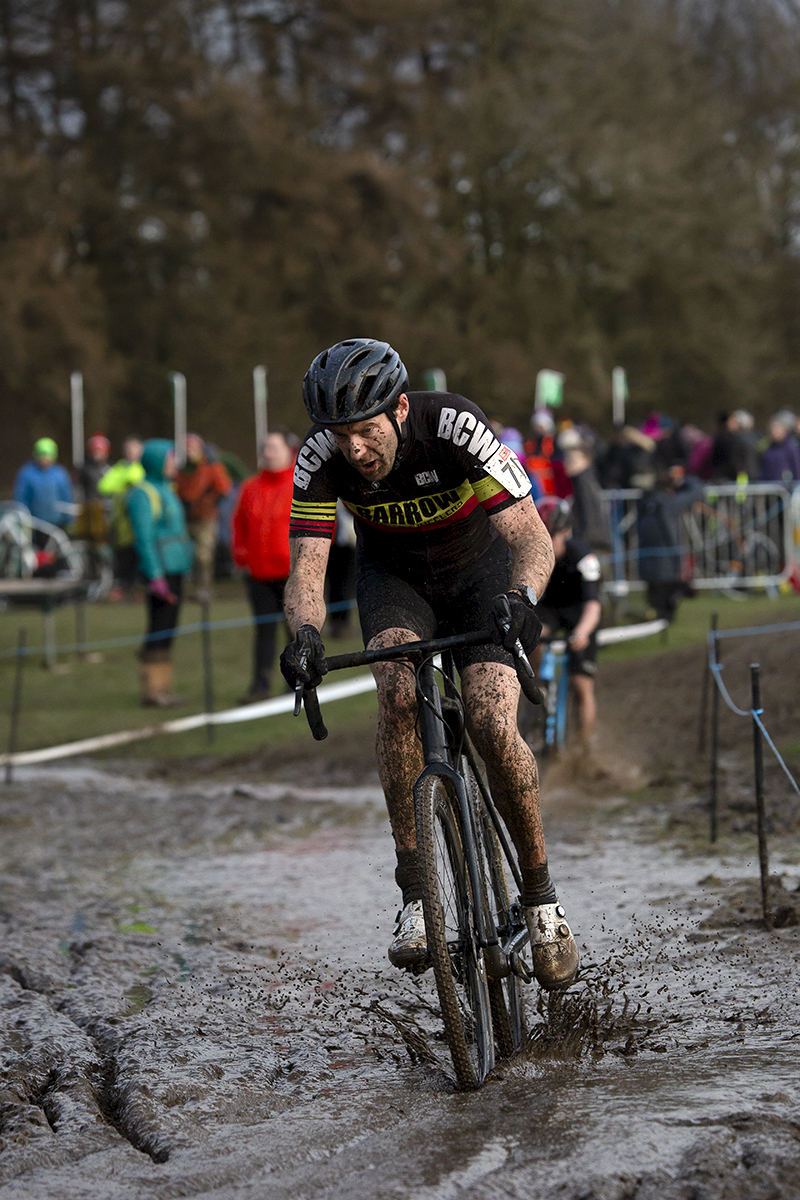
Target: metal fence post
(714,735)
(16,704)
(758,763)
(208,679)
(701,737)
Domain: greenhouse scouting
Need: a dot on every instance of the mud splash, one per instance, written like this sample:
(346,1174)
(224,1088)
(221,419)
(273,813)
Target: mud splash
(195,1000)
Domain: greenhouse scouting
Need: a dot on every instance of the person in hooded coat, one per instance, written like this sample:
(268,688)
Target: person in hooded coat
(164,553)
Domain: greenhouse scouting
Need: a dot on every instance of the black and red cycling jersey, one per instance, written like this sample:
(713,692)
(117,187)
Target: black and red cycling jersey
(431,511)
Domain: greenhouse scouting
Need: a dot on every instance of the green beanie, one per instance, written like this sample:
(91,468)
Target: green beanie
(45,448)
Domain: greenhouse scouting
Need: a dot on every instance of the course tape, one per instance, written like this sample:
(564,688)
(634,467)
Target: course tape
(248,712)
(755,714)
(251,712)
(136,639)
(751,630)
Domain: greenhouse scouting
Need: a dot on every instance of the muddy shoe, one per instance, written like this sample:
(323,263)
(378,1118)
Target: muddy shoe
(410,946)
(555,955)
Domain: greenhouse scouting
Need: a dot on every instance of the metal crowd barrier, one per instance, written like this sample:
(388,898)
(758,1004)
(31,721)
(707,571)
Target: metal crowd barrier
(736,536)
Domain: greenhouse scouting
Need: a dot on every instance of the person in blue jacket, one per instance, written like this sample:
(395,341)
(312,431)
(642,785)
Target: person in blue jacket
(164,553)
(44,487)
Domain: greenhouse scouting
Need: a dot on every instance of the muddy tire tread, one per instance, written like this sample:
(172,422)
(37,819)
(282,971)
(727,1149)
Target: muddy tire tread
(429,795)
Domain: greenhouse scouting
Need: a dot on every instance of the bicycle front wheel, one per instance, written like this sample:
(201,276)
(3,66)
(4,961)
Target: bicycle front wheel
(457,960)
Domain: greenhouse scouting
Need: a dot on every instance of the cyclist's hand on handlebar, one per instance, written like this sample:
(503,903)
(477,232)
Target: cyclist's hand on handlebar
(515,621)
(303,660)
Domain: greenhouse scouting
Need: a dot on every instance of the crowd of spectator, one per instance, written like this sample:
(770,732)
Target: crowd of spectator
(156,522)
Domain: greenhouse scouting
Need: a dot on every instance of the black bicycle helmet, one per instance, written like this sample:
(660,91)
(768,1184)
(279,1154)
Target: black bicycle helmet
(556,514)
(353,381)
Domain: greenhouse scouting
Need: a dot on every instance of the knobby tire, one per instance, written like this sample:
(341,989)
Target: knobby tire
(508,1011)
(458,967)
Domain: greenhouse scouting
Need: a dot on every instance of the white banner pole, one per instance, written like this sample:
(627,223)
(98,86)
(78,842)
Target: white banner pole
(619,394)
(179,401)
(76,398)
(260,404)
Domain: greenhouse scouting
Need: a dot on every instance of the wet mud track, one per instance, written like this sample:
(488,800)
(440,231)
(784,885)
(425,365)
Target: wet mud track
(195,1002)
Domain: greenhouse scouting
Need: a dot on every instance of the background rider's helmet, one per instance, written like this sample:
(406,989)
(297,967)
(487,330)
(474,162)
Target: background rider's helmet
(556,514)
(353,381)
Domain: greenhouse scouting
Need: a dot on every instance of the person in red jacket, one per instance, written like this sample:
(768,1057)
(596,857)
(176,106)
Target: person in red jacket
(261,546)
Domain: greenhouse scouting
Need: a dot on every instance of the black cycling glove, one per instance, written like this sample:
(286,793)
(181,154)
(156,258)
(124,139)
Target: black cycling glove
(303,660)
(515,620)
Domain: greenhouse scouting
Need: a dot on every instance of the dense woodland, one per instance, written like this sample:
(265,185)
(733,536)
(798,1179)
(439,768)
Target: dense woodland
(493,185)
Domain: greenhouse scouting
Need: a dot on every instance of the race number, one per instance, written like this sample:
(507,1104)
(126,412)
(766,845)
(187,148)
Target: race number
(505,467)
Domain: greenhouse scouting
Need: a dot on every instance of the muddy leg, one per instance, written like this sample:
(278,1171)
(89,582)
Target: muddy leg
(583,687)
(491,693)
(398,747)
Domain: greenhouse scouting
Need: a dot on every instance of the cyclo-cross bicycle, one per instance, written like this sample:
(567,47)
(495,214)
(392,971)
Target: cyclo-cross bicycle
(478,943)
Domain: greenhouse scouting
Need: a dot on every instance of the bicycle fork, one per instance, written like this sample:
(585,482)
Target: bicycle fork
(437,758)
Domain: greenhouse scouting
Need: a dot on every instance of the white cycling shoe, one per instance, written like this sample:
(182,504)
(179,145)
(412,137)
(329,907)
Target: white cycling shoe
(555,955)
(410,945)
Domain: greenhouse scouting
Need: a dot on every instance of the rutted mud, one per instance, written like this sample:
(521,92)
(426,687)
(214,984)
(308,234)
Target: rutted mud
(195,1001)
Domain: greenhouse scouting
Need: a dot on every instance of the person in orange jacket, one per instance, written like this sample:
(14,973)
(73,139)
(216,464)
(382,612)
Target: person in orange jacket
(261,546)
(201,483)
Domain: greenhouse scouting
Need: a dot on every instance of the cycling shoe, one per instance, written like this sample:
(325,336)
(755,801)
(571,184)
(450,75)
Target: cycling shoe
(555,955)
(410,946)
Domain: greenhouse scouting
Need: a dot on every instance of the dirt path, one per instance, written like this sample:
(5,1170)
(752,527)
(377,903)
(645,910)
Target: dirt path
(195,1001)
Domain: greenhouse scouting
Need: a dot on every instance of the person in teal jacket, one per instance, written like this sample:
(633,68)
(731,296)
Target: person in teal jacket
(164,554)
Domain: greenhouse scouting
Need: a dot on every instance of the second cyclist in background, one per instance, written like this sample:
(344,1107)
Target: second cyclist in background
(571,604)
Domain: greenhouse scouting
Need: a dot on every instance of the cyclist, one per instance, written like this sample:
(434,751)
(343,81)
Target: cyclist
(571,603)
(445,523)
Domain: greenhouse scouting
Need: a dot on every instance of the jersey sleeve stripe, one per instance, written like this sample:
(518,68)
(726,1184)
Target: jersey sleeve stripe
(312,520)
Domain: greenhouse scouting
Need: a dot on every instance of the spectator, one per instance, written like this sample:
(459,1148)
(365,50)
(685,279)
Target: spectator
(658,514)
(781,461)
(115,484)
(91,524)
(164,552)
(546,472)
(571,601)
(751,439)
(44,487)
(731,456)
(261,546)
(627,461)
(698,452)
(589,509)
(201,483)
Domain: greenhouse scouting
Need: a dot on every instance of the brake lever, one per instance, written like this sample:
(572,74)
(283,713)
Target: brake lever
(303,658)
(522,661)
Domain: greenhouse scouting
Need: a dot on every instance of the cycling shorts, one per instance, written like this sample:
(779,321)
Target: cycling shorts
(440,605)
(556,620)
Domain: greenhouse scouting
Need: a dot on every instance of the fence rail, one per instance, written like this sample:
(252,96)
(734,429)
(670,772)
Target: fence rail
(735,535)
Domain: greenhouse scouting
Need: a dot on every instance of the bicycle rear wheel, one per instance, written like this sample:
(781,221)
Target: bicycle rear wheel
(458,965)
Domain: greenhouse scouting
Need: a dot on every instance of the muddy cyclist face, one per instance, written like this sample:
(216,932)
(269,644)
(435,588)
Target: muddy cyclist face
(370,446)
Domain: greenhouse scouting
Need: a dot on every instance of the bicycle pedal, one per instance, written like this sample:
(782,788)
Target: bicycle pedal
(419,968)
(520,968)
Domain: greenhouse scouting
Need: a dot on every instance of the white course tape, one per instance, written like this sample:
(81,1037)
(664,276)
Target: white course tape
(247,712)
(265,708)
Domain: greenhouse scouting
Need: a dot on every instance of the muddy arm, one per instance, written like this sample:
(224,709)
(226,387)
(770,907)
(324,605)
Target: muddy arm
(523,529)
(304,597)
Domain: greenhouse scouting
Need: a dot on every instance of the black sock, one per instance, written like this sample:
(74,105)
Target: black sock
(537,887)
(406,876)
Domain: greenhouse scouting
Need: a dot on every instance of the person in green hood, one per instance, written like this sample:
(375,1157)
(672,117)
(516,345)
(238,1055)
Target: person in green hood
(164,553)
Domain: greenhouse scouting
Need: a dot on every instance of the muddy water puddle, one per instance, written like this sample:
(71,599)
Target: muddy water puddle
(195,1001)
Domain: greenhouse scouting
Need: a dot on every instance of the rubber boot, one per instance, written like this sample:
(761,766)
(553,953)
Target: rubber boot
(157,686)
